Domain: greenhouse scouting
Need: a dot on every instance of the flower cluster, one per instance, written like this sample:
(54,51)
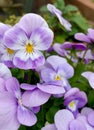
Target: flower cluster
(50,71)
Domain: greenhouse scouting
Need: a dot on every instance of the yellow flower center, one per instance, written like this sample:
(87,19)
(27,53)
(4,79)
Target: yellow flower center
(57,77)
(29,48)
(10,51)
(71,104)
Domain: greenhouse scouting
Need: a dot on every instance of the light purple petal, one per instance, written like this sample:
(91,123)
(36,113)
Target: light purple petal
(91,34)
(85,111)
(28,86)
(51,89)
(34,21)
(54,60)
(62,119)
(32,61)
(90,77)
(53,9)
(25,116)
(71,92)
(35,98)
(42,38)
(15,38)
(82,37)
(64,22)
(8,108)
(76,125)
(91,118)
(49,127)
(36,109)
(4,71)
(12,85)
(3,28)
(2,85)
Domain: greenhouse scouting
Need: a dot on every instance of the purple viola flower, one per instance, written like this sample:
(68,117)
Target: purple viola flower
(74,99)
(54,75)
(29,41)
(88,38)
(89,113)
(90,77)
(5,73)
(13,111)
(6,53)
(58,14)
(65,120)
(35,96)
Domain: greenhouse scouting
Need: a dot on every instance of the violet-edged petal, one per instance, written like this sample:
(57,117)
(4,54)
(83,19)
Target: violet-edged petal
(8,108)
(54,60)
(35,98)
(76,125)
(57,48)
(86,110)
(62,119)
(49,127)
(36,109)
(64,22)
(53,9)
(51,89)
(83,119)
(68,70)
(71,92)
(42,38)
(25,86)
(3,28)
(82,37)
(32,61)
(15,38)
(90,77)
(25,116)
(4,71)
(2,85)
(34,21)
(12,86)
(91,34)
(90,118)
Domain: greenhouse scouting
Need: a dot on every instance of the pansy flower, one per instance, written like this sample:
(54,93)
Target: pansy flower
(28,38)
(74,99)
(13,111)
(58,14)
(54,75)
(6,53)
(65,120)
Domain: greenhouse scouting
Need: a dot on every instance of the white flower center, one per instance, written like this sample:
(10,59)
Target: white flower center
(73,105)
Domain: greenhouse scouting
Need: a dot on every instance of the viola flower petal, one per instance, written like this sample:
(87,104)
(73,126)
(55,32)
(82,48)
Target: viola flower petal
(49,127)
(35,98)
(25,116)
(42,38)
(90,118)
(62,119)
(34,21)
(15,38)
(91,34)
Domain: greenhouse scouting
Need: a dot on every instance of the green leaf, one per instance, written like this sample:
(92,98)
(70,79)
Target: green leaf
(50,114)
(80,21)
(22,127)
(70,8)
(60,4)
(91,98)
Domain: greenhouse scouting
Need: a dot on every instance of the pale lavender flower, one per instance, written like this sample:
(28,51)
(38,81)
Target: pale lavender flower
(58,14)
(75,99)
(29,40)
(89,113)
(13,111)
(6,53)
(65,120)
(54,75)
(5,73)
(90,77)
